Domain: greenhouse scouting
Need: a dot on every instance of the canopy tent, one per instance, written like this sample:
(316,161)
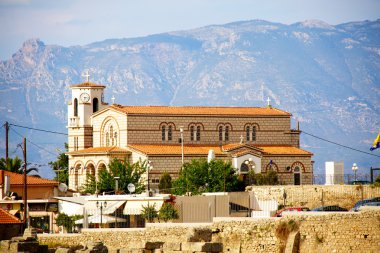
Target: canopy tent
(105,219)
(111,206)
(136,207)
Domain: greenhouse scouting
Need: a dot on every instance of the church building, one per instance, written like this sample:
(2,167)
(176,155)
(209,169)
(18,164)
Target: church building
(252,138)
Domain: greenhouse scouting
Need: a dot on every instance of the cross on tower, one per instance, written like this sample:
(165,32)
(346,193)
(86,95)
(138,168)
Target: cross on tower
(87,75)
(268,100)
(113,99)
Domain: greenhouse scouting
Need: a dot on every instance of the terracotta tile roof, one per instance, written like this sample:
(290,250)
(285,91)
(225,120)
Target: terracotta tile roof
(153,149)
(18,179)
(200,110)
(156,149)
(283,150)
(99,150)
(7,218)
(87,84)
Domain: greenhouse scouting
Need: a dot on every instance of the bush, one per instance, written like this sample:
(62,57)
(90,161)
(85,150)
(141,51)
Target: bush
(165,184)
(149,212)
(168,212)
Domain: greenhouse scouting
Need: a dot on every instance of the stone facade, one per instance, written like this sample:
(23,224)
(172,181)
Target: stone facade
(313,196)
(263,135)
(321,232)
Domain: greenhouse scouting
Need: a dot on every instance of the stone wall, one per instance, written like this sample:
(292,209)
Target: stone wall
(313,195)
(319,232)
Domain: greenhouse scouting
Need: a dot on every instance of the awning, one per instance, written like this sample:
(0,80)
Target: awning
(13,211)
(136,207)
(108,209)
(101,219)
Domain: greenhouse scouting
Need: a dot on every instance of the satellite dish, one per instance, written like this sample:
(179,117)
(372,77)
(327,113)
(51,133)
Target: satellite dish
(131,188)
(62,187)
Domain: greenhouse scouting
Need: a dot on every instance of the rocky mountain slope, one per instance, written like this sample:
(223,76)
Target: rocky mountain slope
(327,76)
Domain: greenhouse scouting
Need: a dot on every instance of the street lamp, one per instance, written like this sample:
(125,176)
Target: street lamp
(116,184)
(354,169)
(101,205)
(181,131)
(149,167)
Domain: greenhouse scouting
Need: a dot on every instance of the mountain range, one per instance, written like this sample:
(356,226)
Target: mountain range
(327,76)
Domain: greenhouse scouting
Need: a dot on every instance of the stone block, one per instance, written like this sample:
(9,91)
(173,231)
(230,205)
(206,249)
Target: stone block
(64,250)
(153,245)
(176,246)
(5,245)
(203,247)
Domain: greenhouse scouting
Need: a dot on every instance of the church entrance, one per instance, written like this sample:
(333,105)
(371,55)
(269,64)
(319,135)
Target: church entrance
(297,176)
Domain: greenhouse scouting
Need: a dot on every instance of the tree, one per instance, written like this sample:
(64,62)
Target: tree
(61,167)
(66,221)
(165,184)
(270,178)
(127,173)
(198,176)
(168,212)
(14,165)
(149,212)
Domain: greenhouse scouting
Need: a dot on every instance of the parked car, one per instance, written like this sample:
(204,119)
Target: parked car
(364,201)
(333,208)
(291,209)
(360,182)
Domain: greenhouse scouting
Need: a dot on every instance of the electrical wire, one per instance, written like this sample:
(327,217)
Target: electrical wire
(34,143)
(341,145)
(37,129)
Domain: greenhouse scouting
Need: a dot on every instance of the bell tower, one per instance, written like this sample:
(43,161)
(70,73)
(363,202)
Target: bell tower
(86,99)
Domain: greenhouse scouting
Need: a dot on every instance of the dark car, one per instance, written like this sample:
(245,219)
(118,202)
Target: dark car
(329,209)
(364,201)
(291,209)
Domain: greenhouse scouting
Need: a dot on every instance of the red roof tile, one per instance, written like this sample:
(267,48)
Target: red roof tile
(157,149)
(18,179)
(152,149)
(7,218)
(87,84)
(100,150)
(200,110)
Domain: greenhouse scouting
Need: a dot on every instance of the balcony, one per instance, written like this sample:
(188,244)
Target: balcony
(73,121)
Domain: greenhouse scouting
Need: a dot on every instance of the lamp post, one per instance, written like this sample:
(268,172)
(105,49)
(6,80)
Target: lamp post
(100,205)
(354,169)
(149,167)
(116,184)
(181,132)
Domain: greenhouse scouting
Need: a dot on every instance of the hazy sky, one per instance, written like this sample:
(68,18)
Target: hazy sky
(74,22)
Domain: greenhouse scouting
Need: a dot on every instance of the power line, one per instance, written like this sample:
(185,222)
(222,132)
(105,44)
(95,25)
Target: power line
(344,146)
(37,129)
(34,143)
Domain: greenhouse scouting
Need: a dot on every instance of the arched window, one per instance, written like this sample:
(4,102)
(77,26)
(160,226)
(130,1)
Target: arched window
(163,132)
(248,137)
(254,133)
(198,133)
(111,135)
(107,139)
(220,133)
(115,137)
(226,133)
(192,133)
(75,107)
(95,105)
(170,133)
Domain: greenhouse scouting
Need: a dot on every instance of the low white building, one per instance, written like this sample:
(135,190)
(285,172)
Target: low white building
(334,172)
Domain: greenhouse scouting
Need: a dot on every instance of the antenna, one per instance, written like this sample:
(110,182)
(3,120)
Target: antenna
(131,188)
(62,187)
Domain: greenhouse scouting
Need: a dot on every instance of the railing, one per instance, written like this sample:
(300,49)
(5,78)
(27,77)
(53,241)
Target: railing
(73,121)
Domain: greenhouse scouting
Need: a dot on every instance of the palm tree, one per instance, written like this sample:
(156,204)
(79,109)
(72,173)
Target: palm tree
(14,165)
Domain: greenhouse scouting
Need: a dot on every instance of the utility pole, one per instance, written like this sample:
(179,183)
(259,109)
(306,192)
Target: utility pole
(6,140)
(25,184)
